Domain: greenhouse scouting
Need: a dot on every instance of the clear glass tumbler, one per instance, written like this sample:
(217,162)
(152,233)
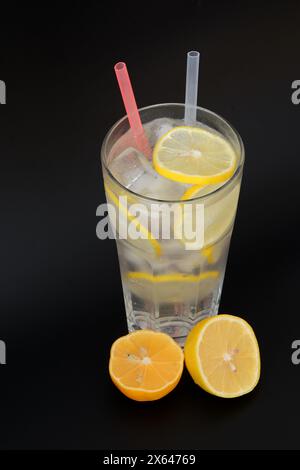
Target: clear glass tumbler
(166,286)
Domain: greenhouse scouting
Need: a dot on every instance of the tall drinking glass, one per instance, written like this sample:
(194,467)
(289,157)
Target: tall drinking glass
(166,286)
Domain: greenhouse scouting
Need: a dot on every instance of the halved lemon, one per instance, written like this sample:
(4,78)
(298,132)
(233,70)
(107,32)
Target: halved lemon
(194,155)
(146,365)
(222,355)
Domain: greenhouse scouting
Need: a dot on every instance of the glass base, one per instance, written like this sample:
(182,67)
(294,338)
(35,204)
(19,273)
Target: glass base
(176,327)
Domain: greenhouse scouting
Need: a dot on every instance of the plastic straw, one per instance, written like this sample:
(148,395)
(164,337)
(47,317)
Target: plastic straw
(191,89)
(131,108)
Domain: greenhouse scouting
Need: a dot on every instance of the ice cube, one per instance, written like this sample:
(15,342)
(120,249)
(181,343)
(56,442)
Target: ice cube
(151,184)
(158,128)
(132,169)
(189,262)
(128,166)
(132,259)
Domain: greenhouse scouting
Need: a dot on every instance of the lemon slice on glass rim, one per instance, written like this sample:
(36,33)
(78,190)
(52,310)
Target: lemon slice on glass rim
(194,155)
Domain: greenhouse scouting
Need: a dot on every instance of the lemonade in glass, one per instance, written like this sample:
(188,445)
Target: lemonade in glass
(171,283)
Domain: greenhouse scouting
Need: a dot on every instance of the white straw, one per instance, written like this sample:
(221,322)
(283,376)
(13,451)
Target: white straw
(191,89)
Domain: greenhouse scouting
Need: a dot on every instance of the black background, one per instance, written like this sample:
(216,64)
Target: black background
(61,302)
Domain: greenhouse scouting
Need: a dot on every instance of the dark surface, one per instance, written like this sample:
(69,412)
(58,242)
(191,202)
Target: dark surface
(61,302)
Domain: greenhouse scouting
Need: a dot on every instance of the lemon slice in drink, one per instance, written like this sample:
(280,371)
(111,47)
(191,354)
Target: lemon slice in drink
(219,214)
(192,192)
(172,287)
(222,356)
(194,155)
(209,254)
(197,190)
(147,243)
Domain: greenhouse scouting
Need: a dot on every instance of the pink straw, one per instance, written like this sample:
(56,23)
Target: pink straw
(131,108)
